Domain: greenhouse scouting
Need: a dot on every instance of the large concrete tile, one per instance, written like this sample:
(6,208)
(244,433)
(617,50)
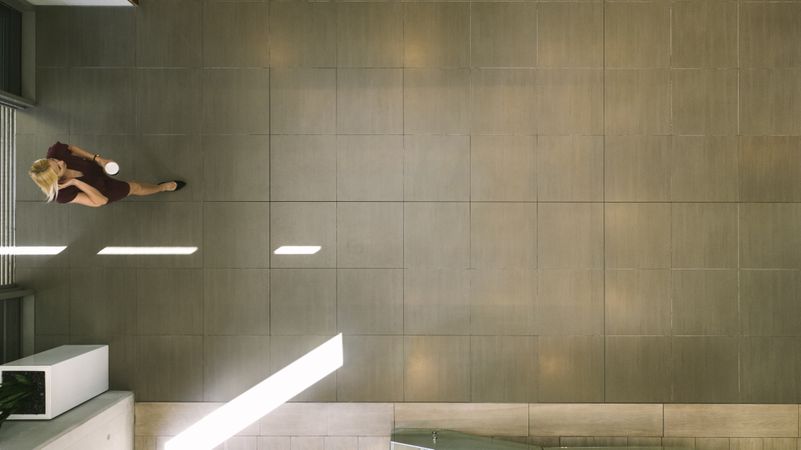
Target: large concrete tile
(283,351)
(303,101)
(503,302)
(503,168)
(369,168)
(436,34)
(169,100)
(235,34)
(53,36)
(303,223)
(52,286)
(570,34)
(303,34)
(570,302)
(704,235)
(705,302)
(570,369)
(436,301)
(374,371)
(503,235)
(769,166)
(233,364)
(168,33)
(436,168)
(102,37)
(704,34)
(436,101)
(704,168)
(503,35)
(570,235)
(169,302)
(102,301)
(436,235)
(236,101)
(637,101)
(768,235)
(637,34)
(769,303)
(770,358)
(236,301)
(106,104)
(503,369)
(370,235)
(169,368)
(369,101)
(638,369)
(637,235)
(704,101)
(236,234)
(570,168)
(436,368)
(503,101)
(767,31)
(569,101)
(637,302)
(370,301)
(705,369)
(770,101)
(637,168)
(236,167)
(370,35)
(303,301)
(303,168)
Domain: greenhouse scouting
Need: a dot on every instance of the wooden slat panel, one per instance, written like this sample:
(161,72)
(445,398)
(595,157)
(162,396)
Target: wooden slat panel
(731,420)
(595,419)
(488,419)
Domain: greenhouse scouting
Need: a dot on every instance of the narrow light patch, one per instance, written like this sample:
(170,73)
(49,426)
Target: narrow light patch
(32,250)
(256,402)
(297,250)
(147,251)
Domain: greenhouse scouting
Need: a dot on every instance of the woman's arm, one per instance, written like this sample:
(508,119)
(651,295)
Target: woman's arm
(81,153)
(88,192)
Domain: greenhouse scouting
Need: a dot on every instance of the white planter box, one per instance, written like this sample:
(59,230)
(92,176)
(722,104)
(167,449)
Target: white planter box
(73,374)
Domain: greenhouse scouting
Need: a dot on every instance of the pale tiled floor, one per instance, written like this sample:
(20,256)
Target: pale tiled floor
(517,202)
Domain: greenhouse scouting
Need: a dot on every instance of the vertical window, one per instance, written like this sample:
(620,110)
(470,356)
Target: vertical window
(10,50)
(7,192)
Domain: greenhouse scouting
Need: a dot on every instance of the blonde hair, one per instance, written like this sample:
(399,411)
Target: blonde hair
(45,176)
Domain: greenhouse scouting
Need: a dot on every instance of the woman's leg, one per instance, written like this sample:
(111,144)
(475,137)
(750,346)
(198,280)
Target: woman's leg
(142,189)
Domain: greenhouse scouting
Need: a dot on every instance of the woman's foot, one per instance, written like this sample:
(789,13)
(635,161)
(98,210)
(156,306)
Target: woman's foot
(170,186)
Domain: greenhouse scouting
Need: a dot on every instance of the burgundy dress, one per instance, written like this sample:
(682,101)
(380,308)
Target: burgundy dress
(93,175)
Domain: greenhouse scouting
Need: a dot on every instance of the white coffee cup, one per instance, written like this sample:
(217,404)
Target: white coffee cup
(112,168)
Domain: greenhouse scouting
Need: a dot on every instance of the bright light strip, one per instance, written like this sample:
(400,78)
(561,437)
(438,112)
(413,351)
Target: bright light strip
(297,250)
(147,251)
(256,402)
(32,250)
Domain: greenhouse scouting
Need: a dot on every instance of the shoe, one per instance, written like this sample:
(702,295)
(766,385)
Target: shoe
(178,184)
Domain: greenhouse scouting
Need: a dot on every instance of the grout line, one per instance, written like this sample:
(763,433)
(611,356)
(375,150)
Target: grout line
(603,186)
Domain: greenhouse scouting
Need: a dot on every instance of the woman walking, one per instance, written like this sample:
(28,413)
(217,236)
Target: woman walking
(70,174)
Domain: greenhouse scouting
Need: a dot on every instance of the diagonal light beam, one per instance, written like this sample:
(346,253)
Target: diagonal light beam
(256,402)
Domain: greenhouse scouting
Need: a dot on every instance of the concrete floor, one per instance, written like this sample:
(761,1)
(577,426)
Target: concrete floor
(516,202)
